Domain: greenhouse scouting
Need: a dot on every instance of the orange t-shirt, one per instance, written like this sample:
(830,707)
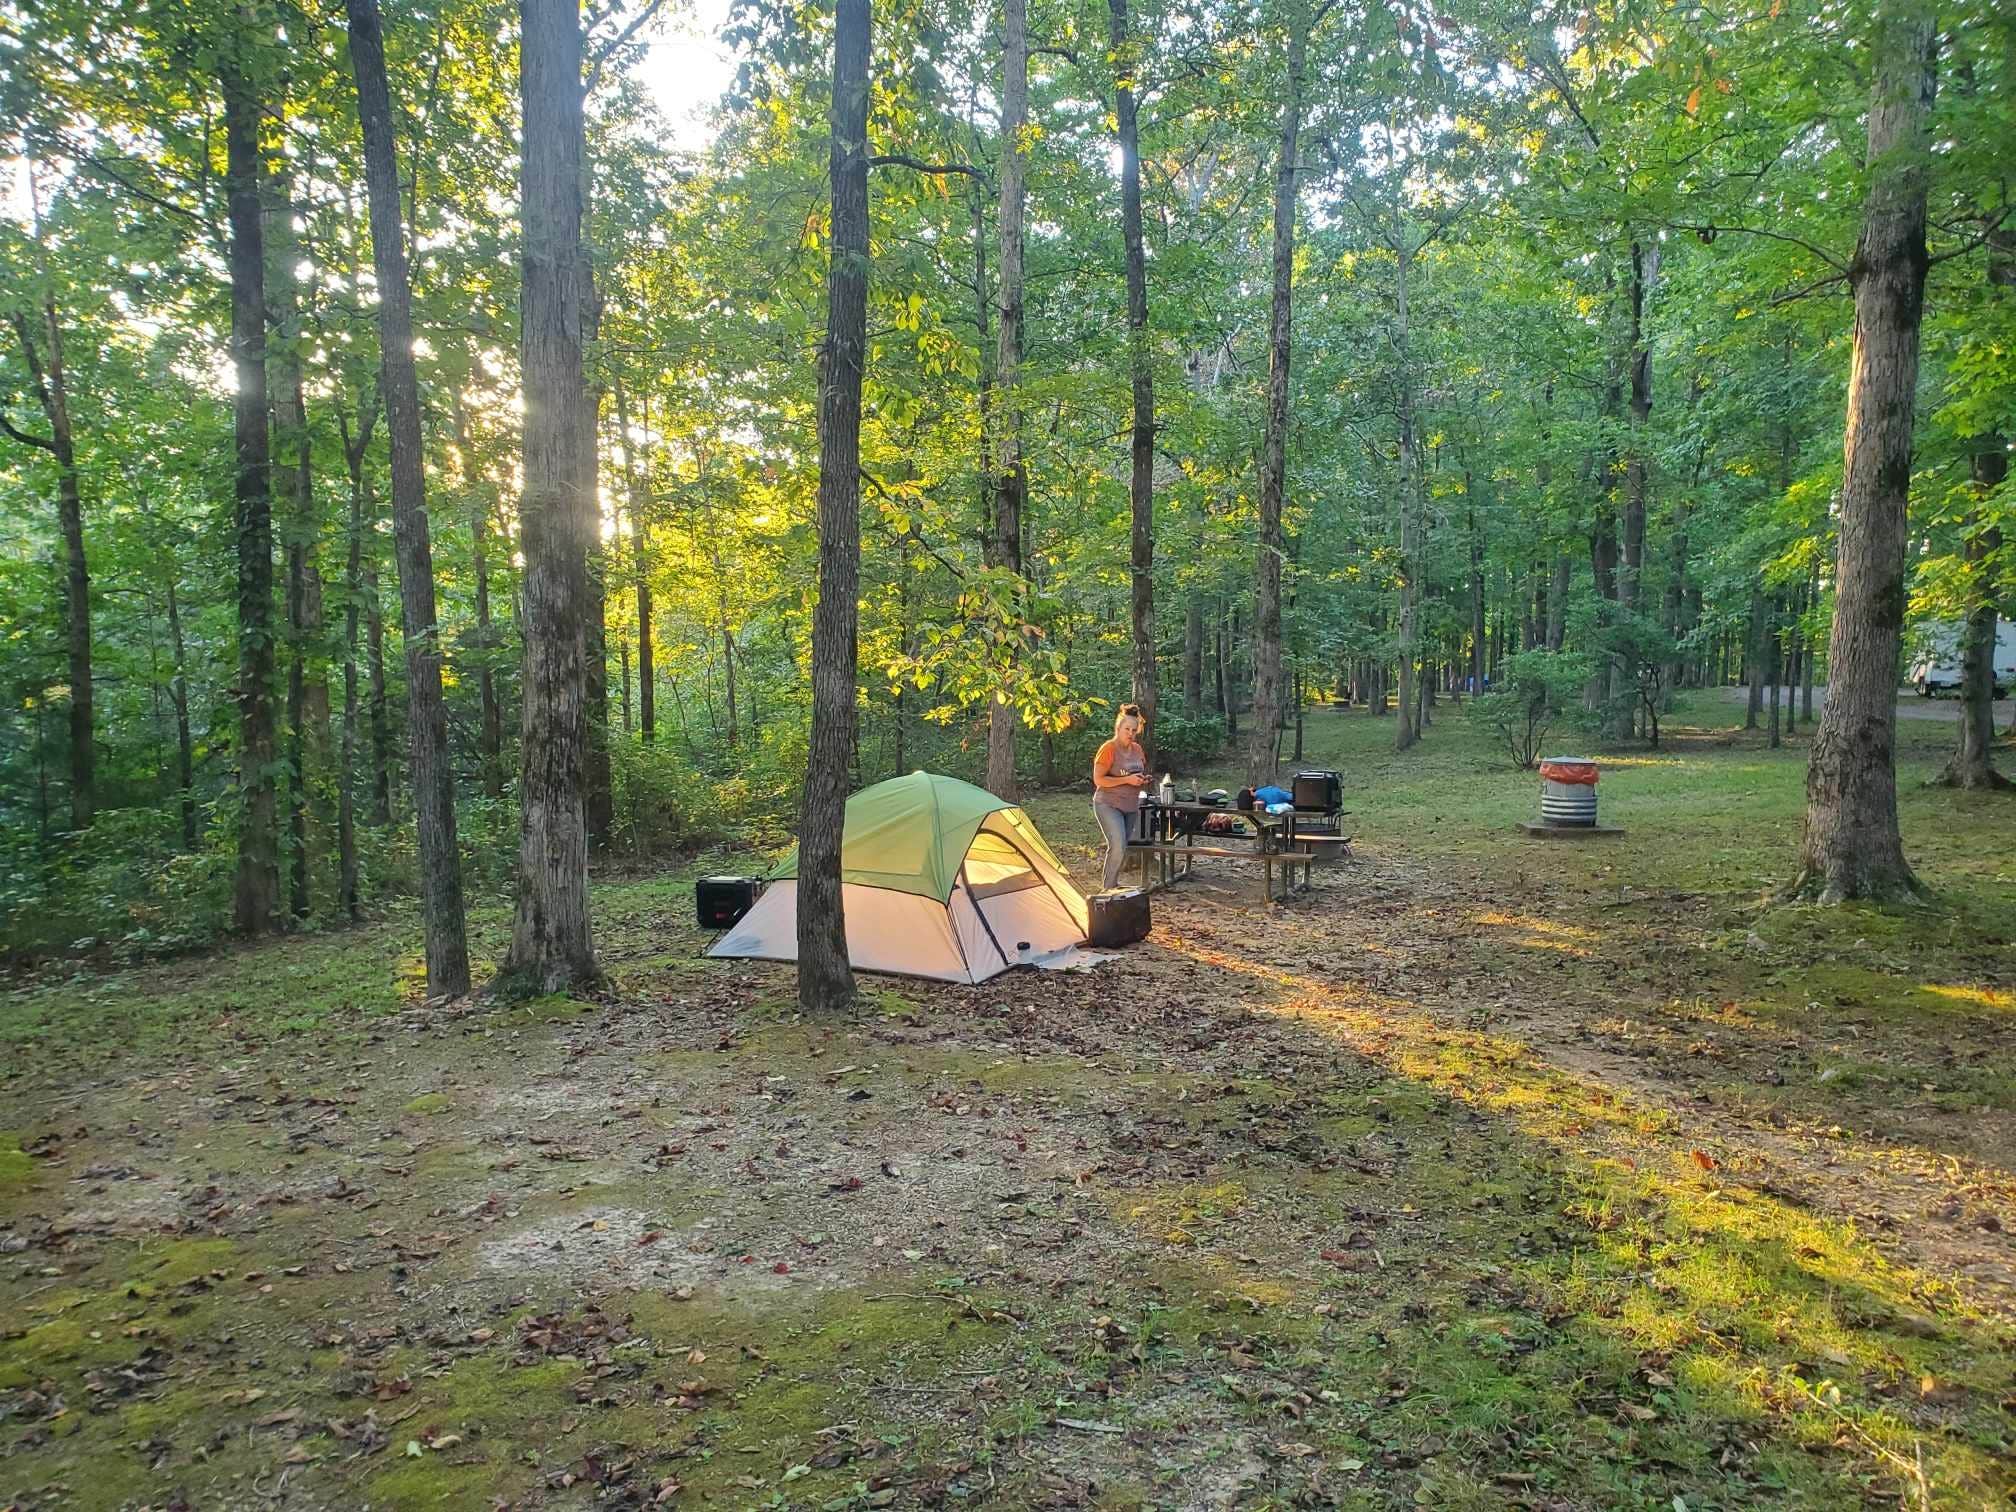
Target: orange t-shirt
(1116,760)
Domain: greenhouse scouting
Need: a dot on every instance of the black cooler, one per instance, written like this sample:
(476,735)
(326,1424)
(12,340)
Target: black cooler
(1119,917)
(720,902)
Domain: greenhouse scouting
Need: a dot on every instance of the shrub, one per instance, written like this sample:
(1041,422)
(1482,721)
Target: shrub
(121,885)
(1534,689)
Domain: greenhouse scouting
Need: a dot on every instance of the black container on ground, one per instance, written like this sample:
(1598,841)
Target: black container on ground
(720,902)
(1119,917)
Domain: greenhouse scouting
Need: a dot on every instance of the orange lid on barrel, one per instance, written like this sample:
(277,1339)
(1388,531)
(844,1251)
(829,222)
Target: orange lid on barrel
(1576,770)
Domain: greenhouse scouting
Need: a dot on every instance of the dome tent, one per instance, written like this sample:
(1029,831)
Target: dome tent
(938,878)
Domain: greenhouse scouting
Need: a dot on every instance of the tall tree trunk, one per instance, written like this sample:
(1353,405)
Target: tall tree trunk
(347,883)
(1970,765)
(433,771)
(1141,478)
(1412,546)
(256,891)
(1193,655)
(1604,554)
(490,717)
(638,491)
(623,661)
(1012,485)
(1557,602)
(293,504)
(1753,659)
(1477,658)
(1795,656)
(346,802)
(380,700)
(1774,661)
(552,944)
(599,803)
(52,388)
(1274,444)
(728,680)
(1224,676)
(1676,599)
(1637,474)
(1852,846)
(825,977)
(185,762)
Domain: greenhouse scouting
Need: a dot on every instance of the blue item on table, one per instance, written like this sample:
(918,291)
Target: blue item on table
(1271,795)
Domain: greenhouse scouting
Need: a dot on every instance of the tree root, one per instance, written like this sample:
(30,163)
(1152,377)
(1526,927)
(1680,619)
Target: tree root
(1984,780)
(1811,886)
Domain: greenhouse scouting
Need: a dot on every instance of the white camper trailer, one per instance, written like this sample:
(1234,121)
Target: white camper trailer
(1937,669)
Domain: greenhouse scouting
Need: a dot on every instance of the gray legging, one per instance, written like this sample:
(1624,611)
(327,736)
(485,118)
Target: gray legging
(1116,826)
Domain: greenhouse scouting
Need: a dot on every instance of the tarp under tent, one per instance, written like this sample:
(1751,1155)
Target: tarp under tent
(938,878)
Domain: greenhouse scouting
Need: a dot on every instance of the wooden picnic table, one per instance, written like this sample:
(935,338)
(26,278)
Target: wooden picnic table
(1169,846)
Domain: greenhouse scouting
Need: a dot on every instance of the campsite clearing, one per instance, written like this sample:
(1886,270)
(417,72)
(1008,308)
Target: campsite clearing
(1486,1174)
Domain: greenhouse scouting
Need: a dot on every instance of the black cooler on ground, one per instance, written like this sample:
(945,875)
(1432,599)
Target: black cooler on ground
(720,902)
(1119,917)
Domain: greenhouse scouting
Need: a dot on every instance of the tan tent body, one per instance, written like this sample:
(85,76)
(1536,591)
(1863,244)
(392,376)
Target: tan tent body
(938,879)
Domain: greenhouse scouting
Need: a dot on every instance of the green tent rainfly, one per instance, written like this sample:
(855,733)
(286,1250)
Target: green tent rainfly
(938,879)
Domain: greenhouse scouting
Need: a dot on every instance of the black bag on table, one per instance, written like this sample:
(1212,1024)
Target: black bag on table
(1119,917)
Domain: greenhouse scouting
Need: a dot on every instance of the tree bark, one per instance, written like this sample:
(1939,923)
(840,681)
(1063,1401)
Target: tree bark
(1412,546)
(1141,477)
(1637,463)
(1971,765)
(1774,663)
(1852,846)
(638,491)
(1477,648)
(1753,659)
(433,771)
(1193,655)
(1218,672)
(380,698)
(52,389)
(1557,601)
(348,900)
(256,890)
(599,806)
(552,944)
(1011,486)
(178,692)
(1260,751)
(293,503)
(825,977)
(1605,557)
(490,716)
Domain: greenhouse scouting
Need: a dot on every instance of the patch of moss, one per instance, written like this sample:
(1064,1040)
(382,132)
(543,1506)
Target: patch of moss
(17,1167)
(431,1104)
(1180,1213)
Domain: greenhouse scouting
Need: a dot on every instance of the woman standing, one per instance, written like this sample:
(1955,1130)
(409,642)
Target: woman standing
(1119,773)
